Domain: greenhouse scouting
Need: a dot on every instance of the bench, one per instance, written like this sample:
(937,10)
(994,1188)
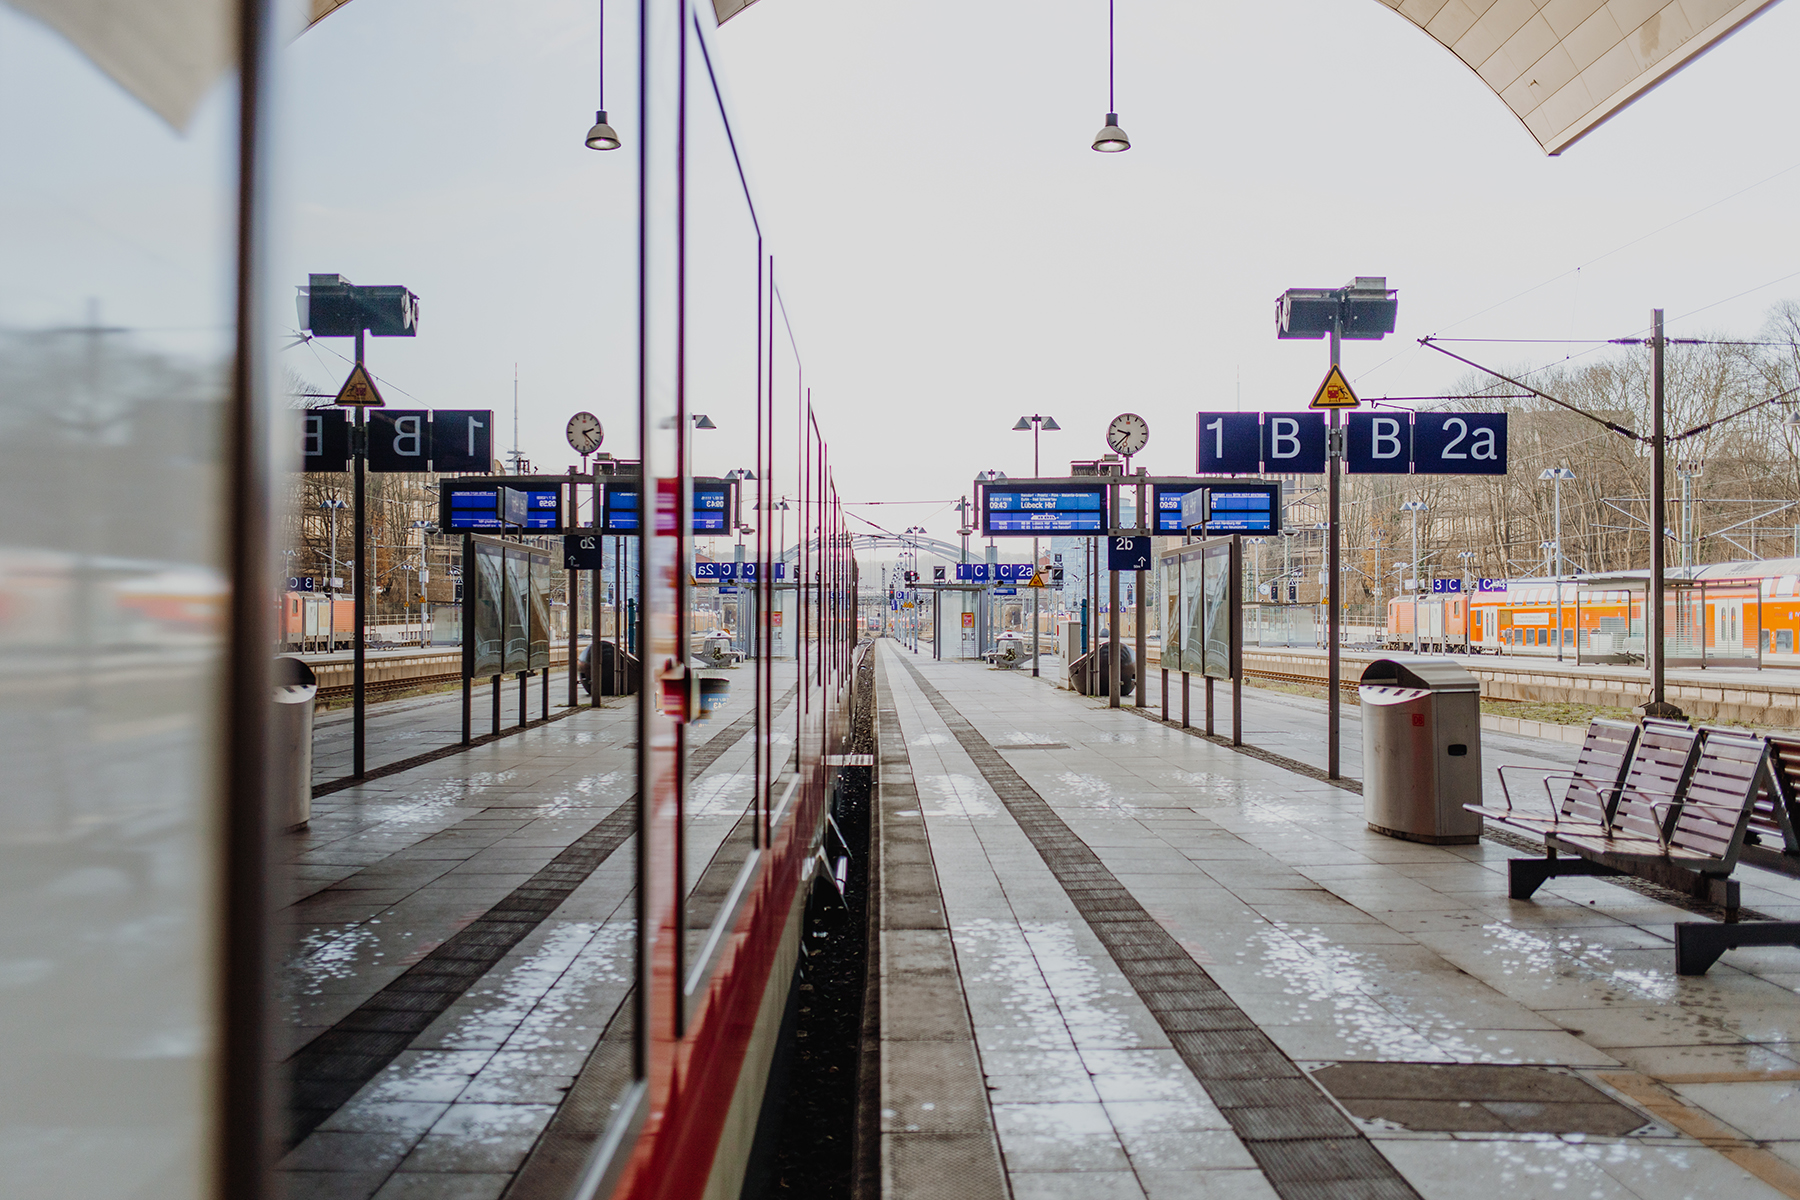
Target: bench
(1769,841)
(1593,786)
(1655,776)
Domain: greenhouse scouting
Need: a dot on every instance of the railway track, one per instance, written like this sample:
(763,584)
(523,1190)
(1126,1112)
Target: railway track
(383,687)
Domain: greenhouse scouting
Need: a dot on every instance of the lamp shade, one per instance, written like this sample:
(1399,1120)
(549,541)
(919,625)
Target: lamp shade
(1024,423)
(1111,139)
(601,136)
(1050,425)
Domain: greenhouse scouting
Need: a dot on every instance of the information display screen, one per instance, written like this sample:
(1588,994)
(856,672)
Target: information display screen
(1239,509)
(621,509)
(1237,506)
(477,506)
(1034,509)
(1168,508)
(712,507)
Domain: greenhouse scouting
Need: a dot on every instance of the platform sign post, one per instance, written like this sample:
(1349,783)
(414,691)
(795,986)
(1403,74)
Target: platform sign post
(1113,657)
(1363,310)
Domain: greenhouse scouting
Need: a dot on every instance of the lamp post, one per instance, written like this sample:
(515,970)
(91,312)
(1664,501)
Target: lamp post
(1556,475)
(1035,424)
(333,506)
(1415,507)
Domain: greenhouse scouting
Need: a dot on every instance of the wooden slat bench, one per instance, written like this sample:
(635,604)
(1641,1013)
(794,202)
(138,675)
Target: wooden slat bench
(1769,841)
(1592,788)
(1655,777)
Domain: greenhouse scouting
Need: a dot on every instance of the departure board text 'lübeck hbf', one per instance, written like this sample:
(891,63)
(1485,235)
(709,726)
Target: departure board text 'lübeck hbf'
(1028,509)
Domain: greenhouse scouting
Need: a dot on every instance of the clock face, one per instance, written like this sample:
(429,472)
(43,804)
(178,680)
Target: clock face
(1128,433)
(585,434)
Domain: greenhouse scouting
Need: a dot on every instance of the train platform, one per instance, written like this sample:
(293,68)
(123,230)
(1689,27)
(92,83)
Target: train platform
(1120,959)
(461,938)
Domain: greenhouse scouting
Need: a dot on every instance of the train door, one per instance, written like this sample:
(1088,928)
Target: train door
(1728,625)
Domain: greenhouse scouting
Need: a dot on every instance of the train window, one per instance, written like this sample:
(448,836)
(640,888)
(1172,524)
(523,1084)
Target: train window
(1784,640)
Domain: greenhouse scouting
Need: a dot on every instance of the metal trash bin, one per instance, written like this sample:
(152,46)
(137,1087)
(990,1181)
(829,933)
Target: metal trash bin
(291,742)
(1421,750)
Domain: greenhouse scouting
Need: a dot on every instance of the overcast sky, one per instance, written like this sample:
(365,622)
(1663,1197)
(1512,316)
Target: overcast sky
(952,253)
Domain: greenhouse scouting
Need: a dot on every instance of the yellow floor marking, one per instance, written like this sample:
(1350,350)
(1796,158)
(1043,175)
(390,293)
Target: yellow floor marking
(1670,1109)
(1792,1076)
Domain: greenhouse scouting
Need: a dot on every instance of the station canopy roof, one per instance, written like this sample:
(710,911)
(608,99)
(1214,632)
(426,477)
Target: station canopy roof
(1564,66)
(1561,66)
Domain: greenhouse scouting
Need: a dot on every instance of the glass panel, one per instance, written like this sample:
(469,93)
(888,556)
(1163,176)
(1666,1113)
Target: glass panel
(1218,610)
(116,329)
(490,625)
(1193,622)
(540,612)
(723,330)
(1169,580)
(516,610)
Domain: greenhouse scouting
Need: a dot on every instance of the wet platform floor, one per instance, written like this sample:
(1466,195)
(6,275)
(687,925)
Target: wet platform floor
(1190,972)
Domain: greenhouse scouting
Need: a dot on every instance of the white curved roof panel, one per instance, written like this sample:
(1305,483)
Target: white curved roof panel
(1564,66)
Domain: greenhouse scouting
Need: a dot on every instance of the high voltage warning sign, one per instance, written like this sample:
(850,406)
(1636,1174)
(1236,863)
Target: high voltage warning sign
(359,391)
(1037,579)
(1335,392)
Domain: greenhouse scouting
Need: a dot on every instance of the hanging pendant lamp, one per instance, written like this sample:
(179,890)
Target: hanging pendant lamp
(602,136)
(1111,139)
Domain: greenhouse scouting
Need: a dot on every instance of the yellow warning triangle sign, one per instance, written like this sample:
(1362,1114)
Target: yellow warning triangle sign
(359,390)
(1335,392)
(1037,578)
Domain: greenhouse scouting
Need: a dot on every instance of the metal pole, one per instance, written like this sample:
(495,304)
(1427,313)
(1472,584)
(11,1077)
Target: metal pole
(1657,705)
(468,637)
(1415,579)
(1142,662)
(1334,607)
(1113,646)
(359,449)
(573,603)
(1035,470)
(1557,503)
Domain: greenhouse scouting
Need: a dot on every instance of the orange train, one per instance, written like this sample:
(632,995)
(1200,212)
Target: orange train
(315,621)
(1733,610)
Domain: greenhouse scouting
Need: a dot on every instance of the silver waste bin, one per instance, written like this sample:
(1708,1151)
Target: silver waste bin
(290,744)
(1421,724)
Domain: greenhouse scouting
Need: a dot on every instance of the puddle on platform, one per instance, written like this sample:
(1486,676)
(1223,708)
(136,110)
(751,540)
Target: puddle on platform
(1089,792)
(1057,998)
(540,994)
(1569,956)
(955,796)
(1338,984)
(719,794)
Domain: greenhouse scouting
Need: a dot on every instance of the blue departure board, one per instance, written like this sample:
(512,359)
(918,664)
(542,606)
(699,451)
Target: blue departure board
(1034,509)
(1168,508)
(477,506)
(621,509)
(712,507)
(1245,508)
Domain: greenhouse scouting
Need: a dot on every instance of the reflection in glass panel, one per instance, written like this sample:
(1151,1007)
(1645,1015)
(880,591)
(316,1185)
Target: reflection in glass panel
(115,342)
